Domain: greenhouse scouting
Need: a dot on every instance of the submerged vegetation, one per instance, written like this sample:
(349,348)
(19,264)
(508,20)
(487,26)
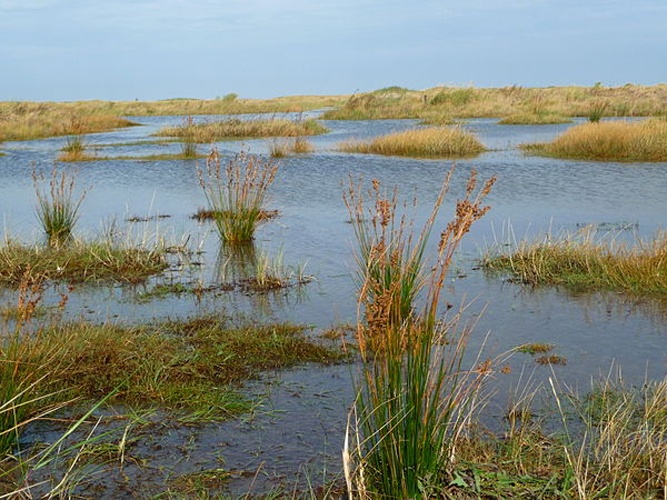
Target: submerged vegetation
(432,142)
(609,141)
(581,262)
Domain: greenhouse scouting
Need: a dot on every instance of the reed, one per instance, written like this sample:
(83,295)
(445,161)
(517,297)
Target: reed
(413,395)
(236,193)
(189,145)
(609,141)
(235,128)
(58,206)
(432,142)
(581,262)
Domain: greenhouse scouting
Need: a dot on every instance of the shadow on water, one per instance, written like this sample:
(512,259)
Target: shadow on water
(296,429)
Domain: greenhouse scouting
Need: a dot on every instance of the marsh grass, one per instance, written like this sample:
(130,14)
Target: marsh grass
(234,128)
(432,142)
(79,262)
(271,273)
(236,193)
(282,148)
(74,150)
(609,141)
(528,118)
(413,395)
(25,121)
(622,450)
(581,262)
(58,206)
(193,365)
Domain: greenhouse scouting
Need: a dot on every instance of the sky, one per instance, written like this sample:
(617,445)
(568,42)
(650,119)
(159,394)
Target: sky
(63,50)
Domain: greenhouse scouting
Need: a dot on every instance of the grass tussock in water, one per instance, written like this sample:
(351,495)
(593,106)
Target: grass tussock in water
(609,141)
(235,128)
(236,193)
(78,262)
(74,150)
(57,206)
(580,262)
(282,148)
(432,142)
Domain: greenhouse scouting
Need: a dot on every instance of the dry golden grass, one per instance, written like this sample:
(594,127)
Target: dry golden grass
(470,102)
(609,141)
(25,121)
(432,142)
(234,128)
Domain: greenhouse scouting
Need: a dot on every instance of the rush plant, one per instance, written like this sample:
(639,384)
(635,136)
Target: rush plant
(414,396)
(236,193)
(57,206)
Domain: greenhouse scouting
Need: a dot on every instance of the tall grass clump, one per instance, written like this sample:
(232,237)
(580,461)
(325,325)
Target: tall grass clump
(58,206)
(74,150)
(432,142)
(236,193)
(282,148)
(189,145)
(609,141)
(582,262)
(413,394)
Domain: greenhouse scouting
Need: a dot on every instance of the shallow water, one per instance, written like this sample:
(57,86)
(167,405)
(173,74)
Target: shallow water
(531,197)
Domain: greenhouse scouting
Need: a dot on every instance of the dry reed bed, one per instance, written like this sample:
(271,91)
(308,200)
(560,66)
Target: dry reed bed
(609,141)
(432,142)
(235,128)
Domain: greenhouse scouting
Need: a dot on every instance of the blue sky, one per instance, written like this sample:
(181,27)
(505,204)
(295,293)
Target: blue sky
(157,49)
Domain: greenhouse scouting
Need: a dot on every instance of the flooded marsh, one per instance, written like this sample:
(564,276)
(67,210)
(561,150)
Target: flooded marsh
(295,428)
